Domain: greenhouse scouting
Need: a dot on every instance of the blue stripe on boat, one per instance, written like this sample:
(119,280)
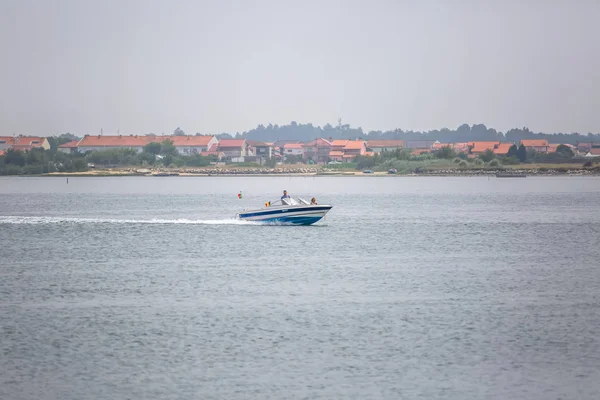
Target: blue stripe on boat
(280,211)
(297,220)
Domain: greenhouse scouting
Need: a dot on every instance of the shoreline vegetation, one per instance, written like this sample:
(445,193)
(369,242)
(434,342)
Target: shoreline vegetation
(527,169)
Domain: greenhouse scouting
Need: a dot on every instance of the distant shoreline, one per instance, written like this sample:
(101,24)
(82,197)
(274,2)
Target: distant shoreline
(163,173)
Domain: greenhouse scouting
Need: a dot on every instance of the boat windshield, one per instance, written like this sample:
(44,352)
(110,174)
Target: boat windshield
(303,201)
(290,201)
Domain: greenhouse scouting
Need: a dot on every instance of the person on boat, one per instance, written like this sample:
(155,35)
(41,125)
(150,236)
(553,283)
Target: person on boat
(285,196)
(313,202)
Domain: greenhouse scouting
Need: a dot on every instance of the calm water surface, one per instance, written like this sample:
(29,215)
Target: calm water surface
(449,288)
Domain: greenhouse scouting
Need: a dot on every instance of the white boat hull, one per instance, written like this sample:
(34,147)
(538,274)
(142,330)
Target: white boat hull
(295,215)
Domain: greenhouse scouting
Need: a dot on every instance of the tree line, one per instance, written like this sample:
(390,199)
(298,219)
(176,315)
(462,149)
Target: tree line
(464,133)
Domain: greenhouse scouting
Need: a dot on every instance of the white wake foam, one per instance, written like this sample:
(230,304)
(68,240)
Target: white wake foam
(75,220)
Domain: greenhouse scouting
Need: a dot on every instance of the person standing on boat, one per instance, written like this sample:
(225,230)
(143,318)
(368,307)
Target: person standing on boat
(285,196)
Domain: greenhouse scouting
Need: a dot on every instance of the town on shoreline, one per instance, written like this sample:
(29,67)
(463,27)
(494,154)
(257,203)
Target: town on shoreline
(205,155)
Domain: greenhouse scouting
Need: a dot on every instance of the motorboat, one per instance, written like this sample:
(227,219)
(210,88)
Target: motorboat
(290,211)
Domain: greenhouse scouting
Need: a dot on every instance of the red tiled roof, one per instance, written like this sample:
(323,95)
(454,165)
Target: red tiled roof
(502,149)
(2,152)
(257,143)
(534,143)
(438,146)
(385,143)
(354,144)
(480,147)
(181,141)
(320,142)
(552,148)
(141,141)
(339,142)
(232,143)
(336,153)
(117,141)
(22,140)
(69,145)
(595,151)
(292,146)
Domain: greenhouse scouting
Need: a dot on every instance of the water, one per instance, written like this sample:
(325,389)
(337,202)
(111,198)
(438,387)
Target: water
(449,288)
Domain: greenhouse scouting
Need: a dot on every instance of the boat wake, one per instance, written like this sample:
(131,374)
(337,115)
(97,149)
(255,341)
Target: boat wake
(75,220)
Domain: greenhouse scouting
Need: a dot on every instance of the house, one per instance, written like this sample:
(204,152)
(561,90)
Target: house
(482,147)
(191,144)
(234,149)
(354,148)
(183,144)
(461,147)
(293,149)
(260,149)
(317,150)
(347,150)
(70,147)
(378,146)
(502,149)
(213,152)
(538,145)
(278,146)
(100,142)
(336,155)
(23,143)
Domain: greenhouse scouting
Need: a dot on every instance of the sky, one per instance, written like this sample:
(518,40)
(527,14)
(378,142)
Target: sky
(142,66)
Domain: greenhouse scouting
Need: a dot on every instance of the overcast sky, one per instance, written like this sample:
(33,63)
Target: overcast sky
(225,66)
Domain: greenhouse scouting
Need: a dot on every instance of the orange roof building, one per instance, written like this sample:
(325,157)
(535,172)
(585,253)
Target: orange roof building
(481,147)
(538,145)
(23,142)
(502,149)
(183,144)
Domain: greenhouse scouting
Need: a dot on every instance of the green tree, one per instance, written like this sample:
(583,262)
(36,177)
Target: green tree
(153,148)
(522,153)
(446,152)
(513,151)
(167,148)
(14,157)
(148,158)
(178,132)
(565,151)
(487,155)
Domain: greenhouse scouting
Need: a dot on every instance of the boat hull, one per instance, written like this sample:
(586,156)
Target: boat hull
(302,215)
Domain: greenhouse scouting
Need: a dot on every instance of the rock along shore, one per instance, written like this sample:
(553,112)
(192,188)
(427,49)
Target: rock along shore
(314,171)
